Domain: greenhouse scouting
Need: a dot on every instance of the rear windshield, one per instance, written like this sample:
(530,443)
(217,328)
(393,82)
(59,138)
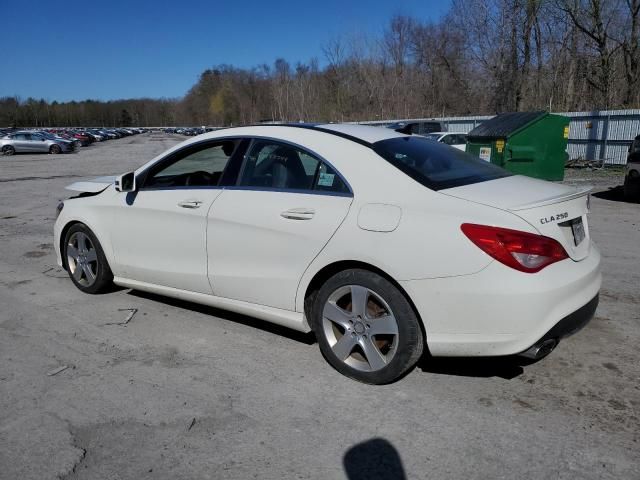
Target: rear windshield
(435,165)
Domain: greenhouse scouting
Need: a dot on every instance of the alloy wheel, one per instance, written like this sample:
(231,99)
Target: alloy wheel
(360,327)
(82,259)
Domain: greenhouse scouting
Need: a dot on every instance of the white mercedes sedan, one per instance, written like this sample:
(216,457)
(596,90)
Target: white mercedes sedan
(385,245)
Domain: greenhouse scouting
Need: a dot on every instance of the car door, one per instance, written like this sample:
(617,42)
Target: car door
(264,233)
(159,231)
(38,143)
(22,142)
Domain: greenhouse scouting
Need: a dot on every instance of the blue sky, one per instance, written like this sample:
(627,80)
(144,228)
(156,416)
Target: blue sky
(74,50)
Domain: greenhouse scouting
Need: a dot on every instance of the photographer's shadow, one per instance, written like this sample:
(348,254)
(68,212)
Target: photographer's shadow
(375,459)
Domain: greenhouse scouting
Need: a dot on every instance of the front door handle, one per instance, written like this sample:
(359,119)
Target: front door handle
(190,204)
(298,214)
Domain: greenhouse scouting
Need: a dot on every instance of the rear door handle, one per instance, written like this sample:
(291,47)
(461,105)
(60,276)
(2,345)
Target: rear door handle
(298,214)
(190,204)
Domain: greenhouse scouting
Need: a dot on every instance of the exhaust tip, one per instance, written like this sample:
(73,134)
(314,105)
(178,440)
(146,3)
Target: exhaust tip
(540,349)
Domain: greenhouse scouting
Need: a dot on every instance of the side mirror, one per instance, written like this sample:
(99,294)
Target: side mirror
(126,182)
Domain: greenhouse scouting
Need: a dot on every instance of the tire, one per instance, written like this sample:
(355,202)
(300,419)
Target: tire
(8,150)
(345,335)
(55,149)
(85,261)
(632,188)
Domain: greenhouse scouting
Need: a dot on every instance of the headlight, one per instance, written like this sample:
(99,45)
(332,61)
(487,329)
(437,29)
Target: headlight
(59,209)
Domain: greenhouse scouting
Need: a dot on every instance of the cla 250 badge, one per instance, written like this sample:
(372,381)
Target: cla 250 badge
(554,218)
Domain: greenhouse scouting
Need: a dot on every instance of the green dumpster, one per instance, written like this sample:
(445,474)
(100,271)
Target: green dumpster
(526,143)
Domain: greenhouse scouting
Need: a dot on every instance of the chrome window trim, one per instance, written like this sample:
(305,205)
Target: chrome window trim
(143,173)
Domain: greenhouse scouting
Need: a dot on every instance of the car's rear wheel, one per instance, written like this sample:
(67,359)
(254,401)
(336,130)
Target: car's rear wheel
(632,186)
(8,150)
(85,260)
(55,149)
(366,328)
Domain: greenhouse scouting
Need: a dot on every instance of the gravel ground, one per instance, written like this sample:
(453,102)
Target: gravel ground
(184,391)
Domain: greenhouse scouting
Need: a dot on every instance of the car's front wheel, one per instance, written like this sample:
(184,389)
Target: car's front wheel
(85,260)
(55,149)
(8,150)
(366,328)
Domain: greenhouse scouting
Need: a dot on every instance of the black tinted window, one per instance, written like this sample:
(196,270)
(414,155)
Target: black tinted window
(328,180)
(278,165)
(435,165)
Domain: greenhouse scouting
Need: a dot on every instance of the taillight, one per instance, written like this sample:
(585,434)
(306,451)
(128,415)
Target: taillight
(523,251)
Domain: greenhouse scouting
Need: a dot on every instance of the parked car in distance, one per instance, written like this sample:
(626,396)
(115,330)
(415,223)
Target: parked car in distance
(85,138)
(456,140)
(418,128)
(382,244)
(31,142)
(50,136)
(632,172)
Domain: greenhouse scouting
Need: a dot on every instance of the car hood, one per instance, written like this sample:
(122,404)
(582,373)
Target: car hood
(94,185)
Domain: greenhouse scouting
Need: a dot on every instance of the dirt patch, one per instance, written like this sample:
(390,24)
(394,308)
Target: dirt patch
(35,254)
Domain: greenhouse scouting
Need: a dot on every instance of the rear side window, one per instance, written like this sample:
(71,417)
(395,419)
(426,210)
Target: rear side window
(435,165)
(280,166)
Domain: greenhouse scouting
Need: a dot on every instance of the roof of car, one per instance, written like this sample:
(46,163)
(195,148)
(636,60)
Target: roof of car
(363,134)
(367,133)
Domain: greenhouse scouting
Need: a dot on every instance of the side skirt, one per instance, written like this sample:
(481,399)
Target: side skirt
(285,318)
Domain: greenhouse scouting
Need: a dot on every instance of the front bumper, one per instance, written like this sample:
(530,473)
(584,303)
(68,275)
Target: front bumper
(500,311)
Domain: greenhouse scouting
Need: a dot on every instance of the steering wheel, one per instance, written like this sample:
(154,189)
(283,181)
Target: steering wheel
(198,179)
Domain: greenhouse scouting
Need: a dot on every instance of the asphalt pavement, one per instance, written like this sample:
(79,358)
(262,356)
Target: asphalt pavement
(181,391)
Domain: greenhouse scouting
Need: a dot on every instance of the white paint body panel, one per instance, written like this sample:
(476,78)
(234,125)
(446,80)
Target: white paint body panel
(94,185)
(379,217)
(159,242)
(237,252)
(256,254)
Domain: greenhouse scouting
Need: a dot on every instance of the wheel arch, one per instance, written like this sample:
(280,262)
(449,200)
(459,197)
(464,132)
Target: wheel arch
(333,268)
(63,234)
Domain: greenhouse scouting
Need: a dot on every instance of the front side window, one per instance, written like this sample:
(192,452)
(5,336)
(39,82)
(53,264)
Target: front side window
(435,165)
(275,165)
(195,167)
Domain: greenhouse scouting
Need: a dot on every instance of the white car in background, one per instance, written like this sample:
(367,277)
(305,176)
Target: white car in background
(453,139)
(383,244)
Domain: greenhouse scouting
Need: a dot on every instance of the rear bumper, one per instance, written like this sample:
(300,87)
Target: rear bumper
(574,322)
(500,311)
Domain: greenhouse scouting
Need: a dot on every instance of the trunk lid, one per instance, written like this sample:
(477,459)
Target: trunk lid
(556,211)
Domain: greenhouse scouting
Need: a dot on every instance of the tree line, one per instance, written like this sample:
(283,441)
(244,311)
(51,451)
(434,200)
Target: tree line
(482,57)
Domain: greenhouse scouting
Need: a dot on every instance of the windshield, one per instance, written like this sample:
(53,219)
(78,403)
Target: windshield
(435,165)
